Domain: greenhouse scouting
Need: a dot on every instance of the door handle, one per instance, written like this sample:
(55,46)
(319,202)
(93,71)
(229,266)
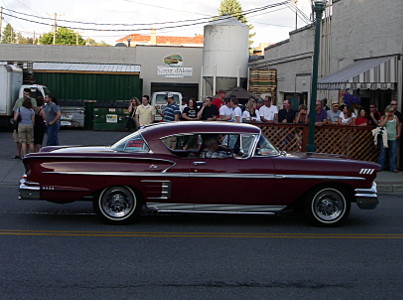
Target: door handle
(198,163)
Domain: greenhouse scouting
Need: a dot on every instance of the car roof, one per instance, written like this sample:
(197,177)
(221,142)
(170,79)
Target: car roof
(163,129)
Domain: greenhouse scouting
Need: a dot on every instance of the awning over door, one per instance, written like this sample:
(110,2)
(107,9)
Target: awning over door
(372,73)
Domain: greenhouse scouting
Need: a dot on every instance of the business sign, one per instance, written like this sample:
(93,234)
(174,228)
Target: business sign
(173,67)
(174,71)
(111,118)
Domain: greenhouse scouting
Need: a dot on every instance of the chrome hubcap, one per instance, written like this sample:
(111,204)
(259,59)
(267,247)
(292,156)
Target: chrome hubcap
(329,205)
(117,202)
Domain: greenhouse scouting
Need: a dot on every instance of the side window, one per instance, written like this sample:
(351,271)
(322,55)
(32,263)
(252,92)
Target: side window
(239,144)
(265,148)
(187,145)
(247,141)
(132,144)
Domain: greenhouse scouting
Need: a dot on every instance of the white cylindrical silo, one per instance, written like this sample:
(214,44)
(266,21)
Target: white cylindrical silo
(225,53)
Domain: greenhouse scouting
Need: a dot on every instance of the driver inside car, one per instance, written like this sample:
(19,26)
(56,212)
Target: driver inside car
(212,149)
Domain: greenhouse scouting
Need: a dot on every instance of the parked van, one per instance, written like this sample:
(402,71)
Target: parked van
(158,100)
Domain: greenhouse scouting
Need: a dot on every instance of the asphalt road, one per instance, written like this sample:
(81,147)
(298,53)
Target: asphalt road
(51,251)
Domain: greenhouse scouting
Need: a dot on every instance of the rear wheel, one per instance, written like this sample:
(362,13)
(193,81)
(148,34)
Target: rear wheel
(117,205)
(327,206)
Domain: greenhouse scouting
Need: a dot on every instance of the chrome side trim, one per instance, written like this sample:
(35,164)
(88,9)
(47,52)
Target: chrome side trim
(101,157)
(314,177)
(214,208)
(210,175)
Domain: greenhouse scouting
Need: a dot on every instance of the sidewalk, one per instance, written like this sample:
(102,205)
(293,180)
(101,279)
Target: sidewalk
(11,170)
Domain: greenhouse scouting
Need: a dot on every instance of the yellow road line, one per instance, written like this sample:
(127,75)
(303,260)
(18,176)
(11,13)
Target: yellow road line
(243,235)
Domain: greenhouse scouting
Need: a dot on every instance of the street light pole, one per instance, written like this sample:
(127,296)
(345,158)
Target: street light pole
(319,7)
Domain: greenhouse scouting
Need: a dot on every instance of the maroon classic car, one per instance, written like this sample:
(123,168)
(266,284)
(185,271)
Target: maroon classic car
(199,167)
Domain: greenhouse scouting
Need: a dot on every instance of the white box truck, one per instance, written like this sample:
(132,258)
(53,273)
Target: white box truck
(11,88)
(10,84)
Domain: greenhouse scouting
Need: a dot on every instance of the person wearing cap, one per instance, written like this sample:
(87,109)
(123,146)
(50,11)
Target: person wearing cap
(171,110)
(333,114)
(219,101)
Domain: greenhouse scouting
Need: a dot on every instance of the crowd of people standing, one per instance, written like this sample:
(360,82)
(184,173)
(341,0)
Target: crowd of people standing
(224,108)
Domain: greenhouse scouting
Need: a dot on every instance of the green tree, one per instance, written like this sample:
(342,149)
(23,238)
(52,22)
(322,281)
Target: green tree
(64,36)
(24,40)
(233,8)
(92,42)
(9,35)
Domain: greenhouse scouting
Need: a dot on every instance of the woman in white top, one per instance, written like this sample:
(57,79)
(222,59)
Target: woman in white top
(347,117)
(251,114)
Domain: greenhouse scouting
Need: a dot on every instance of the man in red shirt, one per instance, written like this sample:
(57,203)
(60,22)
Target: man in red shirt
(219,101)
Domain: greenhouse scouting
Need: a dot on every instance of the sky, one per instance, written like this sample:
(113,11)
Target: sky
(271,25)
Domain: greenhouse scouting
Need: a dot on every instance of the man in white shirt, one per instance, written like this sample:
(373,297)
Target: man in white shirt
(268,112)
(145,113)
(237,111)
(226,111)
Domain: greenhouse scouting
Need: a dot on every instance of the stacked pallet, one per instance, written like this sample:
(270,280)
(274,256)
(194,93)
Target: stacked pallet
(262,81)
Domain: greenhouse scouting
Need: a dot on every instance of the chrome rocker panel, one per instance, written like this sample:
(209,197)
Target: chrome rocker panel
(214,208)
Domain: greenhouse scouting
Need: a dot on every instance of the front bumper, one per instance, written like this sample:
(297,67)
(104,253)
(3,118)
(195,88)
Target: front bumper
(367,198)
(29,190)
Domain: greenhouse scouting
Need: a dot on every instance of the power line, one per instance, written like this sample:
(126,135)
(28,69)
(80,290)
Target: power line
(247,12)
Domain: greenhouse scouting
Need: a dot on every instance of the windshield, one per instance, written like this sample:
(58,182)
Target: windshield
(46,90)
(160,99)
(265,148)
(133,144)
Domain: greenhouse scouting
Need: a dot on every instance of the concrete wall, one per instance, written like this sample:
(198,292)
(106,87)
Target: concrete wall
(292,59)
(149,57)
(365,28)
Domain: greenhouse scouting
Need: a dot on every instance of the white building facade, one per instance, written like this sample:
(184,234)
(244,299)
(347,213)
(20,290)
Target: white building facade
(361,53)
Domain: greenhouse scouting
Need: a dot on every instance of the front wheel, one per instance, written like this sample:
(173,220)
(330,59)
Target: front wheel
(117,205)
(327,206)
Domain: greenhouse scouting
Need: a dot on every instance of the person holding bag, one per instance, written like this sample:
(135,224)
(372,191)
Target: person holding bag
(392,126)
(130,123)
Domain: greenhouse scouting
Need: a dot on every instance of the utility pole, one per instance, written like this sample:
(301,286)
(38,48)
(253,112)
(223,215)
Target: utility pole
(296,14)
(1,19)
(54,29)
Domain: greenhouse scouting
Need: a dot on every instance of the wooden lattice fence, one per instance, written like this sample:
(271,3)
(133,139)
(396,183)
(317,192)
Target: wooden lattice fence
(350,141)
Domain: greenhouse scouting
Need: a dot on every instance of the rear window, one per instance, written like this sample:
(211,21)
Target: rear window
(132,144)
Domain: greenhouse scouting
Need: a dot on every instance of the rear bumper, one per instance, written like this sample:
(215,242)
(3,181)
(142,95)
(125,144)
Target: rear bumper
(367,198)
(29,190)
